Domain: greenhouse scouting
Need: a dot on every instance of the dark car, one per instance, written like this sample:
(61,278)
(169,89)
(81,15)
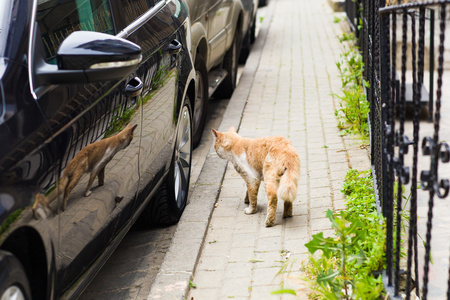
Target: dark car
(95,133)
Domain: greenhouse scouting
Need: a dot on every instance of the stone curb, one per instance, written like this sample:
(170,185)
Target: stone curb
(172,280)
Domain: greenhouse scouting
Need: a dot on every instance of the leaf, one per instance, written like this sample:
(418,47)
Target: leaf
(284,291)
(319,242)
(255,260)
(328,277)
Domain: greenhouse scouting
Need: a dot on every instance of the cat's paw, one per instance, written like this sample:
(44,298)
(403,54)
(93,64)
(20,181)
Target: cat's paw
(87,194)
(249,211)
(287,214)
(270,222)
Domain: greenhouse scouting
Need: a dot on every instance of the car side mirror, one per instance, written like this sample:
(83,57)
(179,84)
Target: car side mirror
(86,56)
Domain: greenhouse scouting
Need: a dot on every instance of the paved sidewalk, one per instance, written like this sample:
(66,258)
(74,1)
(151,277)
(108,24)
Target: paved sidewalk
(286,90)
(290,96)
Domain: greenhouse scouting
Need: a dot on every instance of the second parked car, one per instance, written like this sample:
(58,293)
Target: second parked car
(219,30)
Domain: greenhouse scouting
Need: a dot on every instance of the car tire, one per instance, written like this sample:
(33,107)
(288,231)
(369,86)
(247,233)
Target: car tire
(14,284)
(201,99)
(253,31)
(262,3)
(230,64)
(248,41)
(171,199)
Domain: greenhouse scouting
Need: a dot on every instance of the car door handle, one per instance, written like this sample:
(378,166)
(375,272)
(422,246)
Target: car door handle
(134,87)
(175,47)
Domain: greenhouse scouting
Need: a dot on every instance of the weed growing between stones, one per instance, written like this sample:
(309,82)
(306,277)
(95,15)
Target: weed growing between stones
(353,104)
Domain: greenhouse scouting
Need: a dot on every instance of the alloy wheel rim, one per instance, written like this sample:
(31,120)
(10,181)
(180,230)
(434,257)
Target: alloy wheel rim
(183,157)
(13,293)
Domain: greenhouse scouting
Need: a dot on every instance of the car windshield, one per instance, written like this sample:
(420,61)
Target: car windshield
(5,15)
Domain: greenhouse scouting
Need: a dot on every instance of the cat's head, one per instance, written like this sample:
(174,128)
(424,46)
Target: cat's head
(127,134)
(223,142)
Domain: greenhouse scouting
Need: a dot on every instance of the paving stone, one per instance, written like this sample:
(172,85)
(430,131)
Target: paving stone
(241,254)
(212,263)
(296,232)
(266,276)
(296,245)
(321,202)
(236,287)
(320,224)
(199,293)
(269,244)
(208,278)
(243,240)
(264,292)
(296,221)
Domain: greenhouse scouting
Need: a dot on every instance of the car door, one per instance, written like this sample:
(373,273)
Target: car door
(161,44)
(217,29)
(81,115)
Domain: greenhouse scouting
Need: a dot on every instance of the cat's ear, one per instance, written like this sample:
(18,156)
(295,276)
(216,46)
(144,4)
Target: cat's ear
(216,133)
(232,129)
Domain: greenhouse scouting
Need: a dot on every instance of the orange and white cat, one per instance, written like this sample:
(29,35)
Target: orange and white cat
(271,159)
(91,159)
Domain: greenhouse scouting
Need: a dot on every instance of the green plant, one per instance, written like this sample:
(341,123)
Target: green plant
(119,121)
(344,266)
(353,104)
(405,217)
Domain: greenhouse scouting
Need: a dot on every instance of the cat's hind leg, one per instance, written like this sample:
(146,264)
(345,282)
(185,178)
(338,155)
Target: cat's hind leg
(287,212)
(72,182)
(101,176)
(252,195)
(271,187)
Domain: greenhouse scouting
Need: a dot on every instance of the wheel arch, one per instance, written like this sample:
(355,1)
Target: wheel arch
(27,246)
(199,40)
(238,22)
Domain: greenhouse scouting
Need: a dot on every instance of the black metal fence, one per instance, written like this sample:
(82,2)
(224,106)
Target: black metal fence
(352,9)
(408,130)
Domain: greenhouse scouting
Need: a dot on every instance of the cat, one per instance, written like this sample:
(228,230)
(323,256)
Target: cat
(91,159)
(271,159)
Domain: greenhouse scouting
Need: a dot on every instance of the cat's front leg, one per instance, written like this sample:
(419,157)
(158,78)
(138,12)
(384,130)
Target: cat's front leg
(252,193)
(246,201)
(91,180)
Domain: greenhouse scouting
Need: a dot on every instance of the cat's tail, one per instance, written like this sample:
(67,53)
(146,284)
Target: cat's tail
(287,189)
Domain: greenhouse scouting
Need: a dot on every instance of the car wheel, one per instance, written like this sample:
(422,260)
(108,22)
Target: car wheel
(14,283)
(230,64)
(201,99)
(250,38)
(169,202)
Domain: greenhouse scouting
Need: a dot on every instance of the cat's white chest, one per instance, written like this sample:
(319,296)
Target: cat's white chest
(243,167)
(109,153)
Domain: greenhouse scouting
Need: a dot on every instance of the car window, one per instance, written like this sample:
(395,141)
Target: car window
(57,19)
